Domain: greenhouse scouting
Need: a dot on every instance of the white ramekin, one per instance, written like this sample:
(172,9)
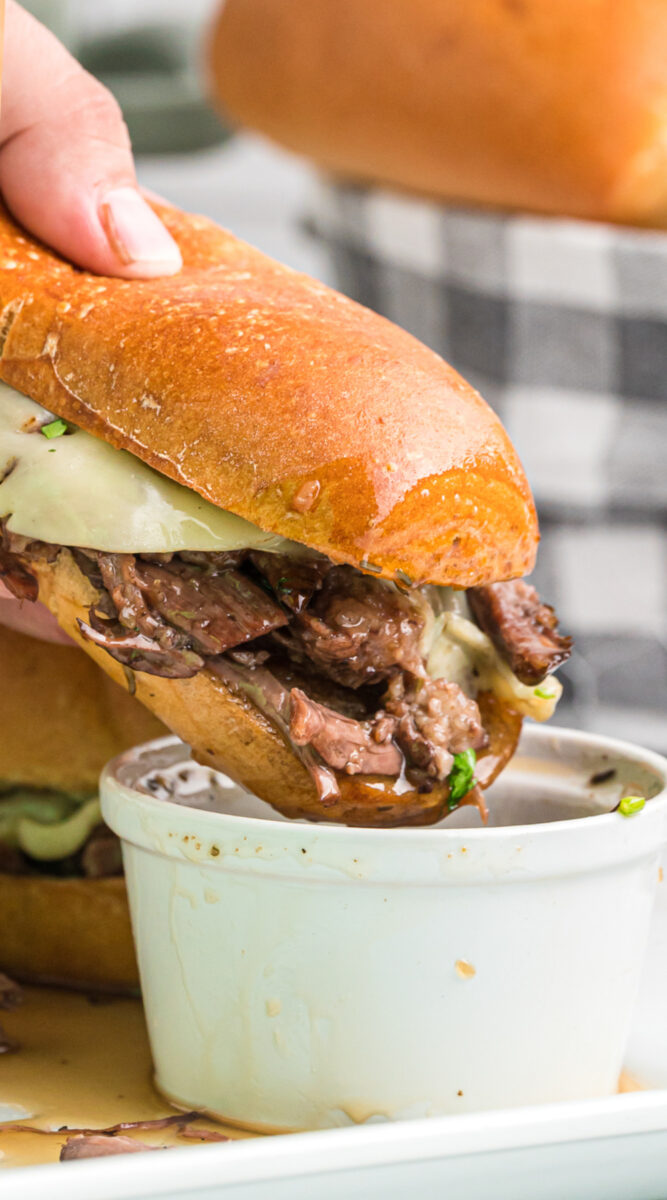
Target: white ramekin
(299,976)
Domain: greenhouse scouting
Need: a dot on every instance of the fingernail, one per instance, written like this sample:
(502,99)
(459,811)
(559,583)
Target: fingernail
(136,235)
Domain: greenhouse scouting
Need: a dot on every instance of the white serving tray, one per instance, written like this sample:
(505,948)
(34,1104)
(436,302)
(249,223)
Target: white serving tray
(599,1150)
(612,1149)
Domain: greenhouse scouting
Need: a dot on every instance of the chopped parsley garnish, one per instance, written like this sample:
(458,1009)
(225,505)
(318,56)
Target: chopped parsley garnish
(630,805)
(461,778)
(543,693)
(55,428)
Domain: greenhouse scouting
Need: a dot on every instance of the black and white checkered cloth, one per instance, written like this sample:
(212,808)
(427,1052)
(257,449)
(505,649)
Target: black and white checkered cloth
(562,326)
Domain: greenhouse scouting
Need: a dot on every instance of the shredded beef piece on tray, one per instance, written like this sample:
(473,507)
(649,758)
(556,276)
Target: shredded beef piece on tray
(521,627)
(101,1145)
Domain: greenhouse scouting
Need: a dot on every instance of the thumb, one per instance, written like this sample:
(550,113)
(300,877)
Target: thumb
(66,169)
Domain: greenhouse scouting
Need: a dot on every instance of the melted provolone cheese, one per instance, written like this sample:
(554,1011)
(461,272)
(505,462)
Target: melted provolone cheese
(75,490)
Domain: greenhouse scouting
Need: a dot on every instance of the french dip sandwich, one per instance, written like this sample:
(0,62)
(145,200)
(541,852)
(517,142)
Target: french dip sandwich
(62,896)
(280,521)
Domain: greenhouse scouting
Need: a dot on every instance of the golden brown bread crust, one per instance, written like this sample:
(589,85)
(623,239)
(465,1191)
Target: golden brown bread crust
(553,106)
(245,381)
(227,731)
(61,719)
(74,932)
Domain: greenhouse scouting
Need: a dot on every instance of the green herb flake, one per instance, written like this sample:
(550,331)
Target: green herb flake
(55,428)
(543,693)
(461,778)
(630,805)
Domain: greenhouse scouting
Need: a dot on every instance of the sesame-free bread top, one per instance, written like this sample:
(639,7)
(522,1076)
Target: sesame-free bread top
(276,398)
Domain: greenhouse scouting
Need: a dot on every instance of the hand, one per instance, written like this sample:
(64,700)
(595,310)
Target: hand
(67,174)
(66,169)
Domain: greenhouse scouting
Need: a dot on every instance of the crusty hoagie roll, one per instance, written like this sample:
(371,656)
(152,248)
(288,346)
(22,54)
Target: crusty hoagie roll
(287,534)
(553,106)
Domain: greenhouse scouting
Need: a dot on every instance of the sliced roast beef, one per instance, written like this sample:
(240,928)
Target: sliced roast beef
(294,580)
(521,627)
(358,630)
(215,610)
(434,721)
(119,576)
(139,652)
(176,612)
(355,747)
(272,699)
(122,623)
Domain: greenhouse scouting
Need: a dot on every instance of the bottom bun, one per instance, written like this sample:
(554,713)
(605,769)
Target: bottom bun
(226,731)
(70,932)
